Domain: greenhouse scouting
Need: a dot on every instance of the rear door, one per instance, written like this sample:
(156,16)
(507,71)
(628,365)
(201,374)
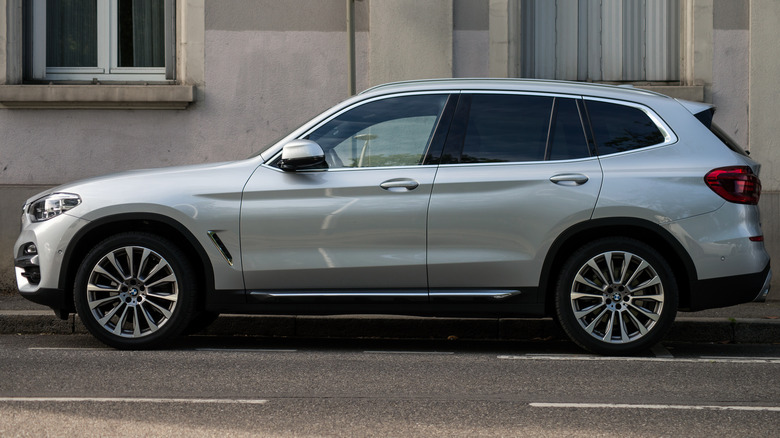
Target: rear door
(519,171)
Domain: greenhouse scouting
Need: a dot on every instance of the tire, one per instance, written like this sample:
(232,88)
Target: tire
(616,296)
(135,291)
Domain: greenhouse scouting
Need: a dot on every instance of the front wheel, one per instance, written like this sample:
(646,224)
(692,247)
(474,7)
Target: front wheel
(135,291)
(616,296)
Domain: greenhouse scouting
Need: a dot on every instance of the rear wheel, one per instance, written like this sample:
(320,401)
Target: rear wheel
(135,291)
(616,296)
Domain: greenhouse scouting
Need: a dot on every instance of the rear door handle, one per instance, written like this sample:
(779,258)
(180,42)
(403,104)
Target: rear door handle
(569,179)
(399,185)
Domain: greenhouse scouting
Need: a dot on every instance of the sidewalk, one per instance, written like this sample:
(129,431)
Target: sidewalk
(746,323)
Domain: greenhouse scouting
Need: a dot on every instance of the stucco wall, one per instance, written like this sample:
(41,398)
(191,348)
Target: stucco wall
(410,39)
(764,107)
(730,66)
(260,81)
(470,39)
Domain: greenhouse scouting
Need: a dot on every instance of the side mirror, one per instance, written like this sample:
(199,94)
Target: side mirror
(302,155)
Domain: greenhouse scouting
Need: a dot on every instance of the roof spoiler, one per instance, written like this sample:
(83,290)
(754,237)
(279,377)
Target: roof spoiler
(702,111)
(696,107)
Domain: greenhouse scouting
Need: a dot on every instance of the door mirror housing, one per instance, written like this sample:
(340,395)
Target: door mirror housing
(302,155)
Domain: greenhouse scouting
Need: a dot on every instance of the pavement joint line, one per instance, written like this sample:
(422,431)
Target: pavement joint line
(132,400)
(657,406)
(660,351)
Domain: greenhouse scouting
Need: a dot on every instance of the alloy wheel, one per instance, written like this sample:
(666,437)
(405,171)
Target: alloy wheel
(132,292)
(617,297)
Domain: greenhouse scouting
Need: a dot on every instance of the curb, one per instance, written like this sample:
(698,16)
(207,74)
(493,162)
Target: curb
(684,329)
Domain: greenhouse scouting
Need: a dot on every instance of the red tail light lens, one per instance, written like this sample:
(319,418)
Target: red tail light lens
(735,184)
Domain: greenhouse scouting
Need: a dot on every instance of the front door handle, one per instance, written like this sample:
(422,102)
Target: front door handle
(399,185)
(569,179)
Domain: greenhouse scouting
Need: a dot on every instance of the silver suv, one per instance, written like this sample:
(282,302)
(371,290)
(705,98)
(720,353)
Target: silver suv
(608,208)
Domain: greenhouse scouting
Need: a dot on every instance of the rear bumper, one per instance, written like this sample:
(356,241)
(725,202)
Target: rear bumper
(729,291)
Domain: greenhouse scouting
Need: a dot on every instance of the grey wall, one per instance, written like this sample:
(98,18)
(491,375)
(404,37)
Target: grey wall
(730,66)
(470,38)
(410,39)
(265,73)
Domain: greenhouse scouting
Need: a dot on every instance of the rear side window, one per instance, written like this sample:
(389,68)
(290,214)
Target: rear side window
(516,128)
(620,128)
(504,128)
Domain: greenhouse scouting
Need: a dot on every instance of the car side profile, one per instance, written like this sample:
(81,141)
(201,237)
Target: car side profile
(608,208)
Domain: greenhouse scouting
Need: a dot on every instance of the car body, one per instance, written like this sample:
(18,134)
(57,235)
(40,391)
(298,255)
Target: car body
(606,207)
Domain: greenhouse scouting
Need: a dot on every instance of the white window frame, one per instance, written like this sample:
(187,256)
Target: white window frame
(107,47)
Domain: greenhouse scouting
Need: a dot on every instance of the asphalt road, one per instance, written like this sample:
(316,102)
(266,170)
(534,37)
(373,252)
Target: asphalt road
(206,386)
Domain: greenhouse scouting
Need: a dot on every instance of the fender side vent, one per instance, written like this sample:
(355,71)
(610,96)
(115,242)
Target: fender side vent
(221,247)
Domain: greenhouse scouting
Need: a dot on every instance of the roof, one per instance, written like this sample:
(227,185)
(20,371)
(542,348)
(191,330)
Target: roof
(511,84)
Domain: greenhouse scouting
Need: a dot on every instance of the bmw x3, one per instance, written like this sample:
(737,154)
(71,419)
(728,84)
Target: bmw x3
(608,208)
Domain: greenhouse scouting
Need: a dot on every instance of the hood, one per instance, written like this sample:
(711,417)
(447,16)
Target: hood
(137,183)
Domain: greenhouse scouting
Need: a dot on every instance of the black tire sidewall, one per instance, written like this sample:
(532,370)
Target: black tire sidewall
(187,293)
(571,267)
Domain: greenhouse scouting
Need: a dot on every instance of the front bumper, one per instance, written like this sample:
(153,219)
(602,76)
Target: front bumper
(38,275)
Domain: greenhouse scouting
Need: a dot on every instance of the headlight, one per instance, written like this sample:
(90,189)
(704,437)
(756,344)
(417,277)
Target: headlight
(52,206)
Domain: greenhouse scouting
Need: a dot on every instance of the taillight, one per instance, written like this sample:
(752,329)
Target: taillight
(735,184)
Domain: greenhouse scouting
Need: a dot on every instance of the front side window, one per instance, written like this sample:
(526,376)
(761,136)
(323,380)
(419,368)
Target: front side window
(123,40)
(388,132)
(620,128)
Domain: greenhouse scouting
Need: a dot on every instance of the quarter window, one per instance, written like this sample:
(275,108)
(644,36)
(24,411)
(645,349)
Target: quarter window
(620,128)
(389,132)
(127,40)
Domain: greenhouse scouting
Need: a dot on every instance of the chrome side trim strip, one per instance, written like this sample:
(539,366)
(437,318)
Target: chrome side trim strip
(315,294)
(495,294)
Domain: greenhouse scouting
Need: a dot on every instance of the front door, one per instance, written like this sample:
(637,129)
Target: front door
(360,225)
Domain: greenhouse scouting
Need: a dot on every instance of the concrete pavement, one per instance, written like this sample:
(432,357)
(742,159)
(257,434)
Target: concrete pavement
(745,323)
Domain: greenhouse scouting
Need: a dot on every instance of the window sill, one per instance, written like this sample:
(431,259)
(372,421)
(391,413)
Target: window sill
(100,96)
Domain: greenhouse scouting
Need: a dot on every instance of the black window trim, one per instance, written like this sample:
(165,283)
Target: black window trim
(455,139)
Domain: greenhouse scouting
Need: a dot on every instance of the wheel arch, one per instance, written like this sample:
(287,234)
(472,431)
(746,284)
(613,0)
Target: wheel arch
(98,230)
(644,231)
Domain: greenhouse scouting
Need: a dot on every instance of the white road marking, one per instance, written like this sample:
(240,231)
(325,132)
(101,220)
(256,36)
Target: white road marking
(134,400)
(409,352)
(652,406)
(249,350)
(754,360)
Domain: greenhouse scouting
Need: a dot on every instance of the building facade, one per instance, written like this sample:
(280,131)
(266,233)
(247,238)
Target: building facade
(89,87)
